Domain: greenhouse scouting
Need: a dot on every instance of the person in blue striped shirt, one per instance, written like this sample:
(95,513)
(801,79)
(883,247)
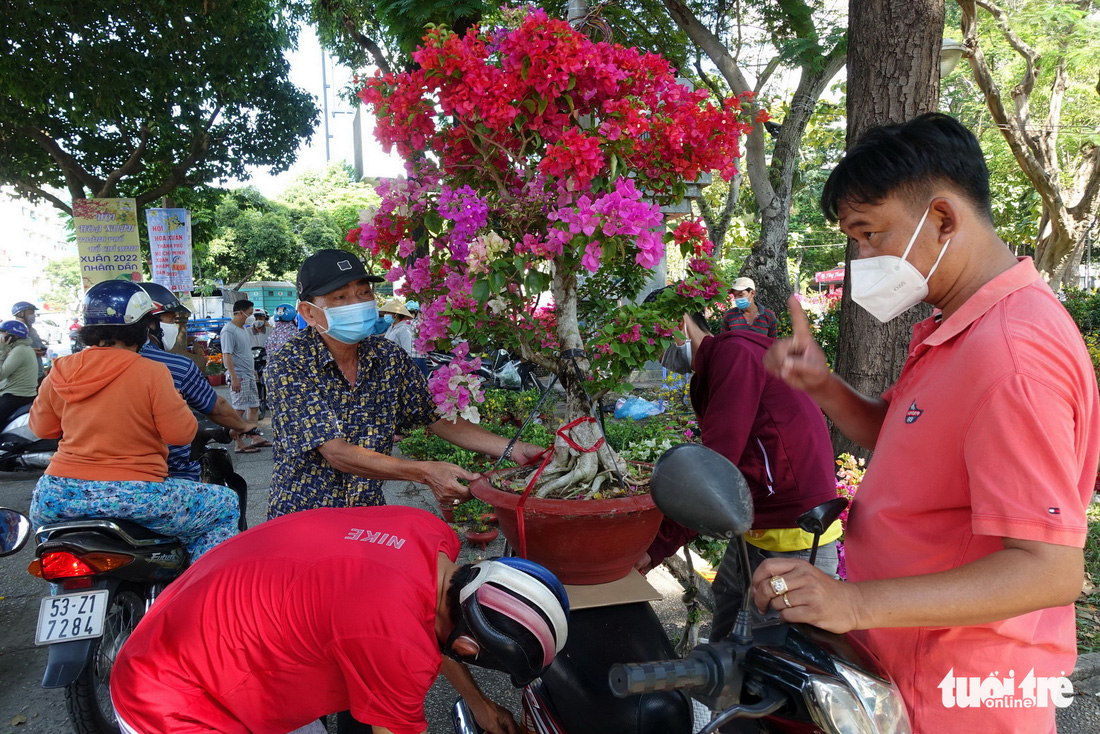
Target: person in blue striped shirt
(192,385)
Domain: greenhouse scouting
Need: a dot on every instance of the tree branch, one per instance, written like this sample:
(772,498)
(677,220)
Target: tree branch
(43,194)
(1031,56)
(1012,128)
(132,164)
(368,44)
(67,163)
(200,144)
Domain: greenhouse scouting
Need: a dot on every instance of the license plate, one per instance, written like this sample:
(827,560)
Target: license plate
(69,617)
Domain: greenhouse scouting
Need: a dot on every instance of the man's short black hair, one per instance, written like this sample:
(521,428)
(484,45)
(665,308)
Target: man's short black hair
(242,305)
(909,159)
(132,335)
(462,576)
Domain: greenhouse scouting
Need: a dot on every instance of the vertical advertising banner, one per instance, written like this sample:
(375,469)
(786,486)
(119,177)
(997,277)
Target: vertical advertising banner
(107,240)
(170,246)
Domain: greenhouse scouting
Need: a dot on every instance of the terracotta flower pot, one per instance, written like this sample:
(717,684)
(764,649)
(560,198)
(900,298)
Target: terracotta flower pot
(448,512)
(581,541)
(490,518)
(215,380)
(481,540)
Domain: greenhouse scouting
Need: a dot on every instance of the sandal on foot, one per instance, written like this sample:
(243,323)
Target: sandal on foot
(262,443)
(247,450)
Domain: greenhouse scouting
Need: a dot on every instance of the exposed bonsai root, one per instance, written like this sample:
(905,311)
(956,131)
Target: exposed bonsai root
(582,473)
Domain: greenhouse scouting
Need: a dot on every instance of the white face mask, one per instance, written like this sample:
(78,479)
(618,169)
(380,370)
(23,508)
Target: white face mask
(887,285)
(249,321)
(171,331)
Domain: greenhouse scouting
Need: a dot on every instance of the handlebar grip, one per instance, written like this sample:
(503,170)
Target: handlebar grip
(663,675)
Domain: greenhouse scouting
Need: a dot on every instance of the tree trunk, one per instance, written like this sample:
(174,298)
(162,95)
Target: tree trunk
(893,75)
(570,468)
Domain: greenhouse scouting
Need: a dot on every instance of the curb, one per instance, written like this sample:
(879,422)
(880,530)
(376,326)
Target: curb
(1086,675)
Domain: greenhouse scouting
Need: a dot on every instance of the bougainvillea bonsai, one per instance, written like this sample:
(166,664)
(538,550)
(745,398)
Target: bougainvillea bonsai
(537,162)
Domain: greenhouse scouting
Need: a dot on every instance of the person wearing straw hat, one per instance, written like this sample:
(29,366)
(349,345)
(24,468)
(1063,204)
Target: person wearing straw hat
(401,331)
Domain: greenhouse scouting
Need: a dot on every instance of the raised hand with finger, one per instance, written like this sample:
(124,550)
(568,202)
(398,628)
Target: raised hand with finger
(798,360)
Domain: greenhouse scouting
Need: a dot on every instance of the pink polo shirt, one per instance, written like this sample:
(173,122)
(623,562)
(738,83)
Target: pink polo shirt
(991,432)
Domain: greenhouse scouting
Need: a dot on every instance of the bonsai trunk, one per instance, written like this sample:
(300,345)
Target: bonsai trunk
(571,471)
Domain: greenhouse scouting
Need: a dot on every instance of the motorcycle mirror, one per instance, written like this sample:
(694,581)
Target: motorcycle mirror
(15,528)
(817,520)
(702,490)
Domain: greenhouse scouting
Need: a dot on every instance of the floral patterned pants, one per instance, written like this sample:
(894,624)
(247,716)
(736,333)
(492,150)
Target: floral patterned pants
(200,515)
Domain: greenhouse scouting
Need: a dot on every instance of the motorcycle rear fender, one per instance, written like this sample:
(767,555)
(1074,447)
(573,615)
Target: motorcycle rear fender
(65,661)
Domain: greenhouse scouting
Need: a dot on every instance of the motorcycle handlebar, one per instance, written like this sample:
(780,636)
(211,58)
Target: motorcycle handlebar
(694,671)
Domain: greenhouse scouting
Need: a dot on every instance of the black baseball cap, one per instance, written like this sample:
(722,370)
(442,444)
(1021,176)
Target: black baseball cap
(326,270)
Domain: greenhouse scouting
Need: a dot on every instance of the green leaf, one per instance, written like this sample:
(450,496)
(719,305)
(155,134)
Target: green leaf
(433,222)
(536,282)
(497,281)
(481,290)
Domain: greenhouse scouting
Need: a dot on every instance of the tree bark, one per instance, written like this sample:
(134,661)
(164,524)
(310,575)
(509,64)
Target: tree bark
(893,75)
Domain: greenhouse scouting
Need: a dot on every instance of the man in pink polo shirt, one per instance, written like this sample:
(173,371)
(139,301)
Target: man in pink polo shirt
(964,541)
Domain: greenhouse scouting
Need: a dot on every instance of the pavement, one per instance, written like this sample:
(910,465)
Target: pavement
(25,708)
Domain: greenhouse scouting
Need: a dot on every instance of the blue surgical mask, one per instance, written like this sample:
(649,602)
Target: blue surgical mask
(352,323)
(741,303)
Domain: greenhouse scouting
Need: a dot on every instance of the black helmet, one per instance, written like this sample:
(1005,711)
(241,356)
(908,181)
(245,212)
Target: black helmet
(165,300)
(518,612)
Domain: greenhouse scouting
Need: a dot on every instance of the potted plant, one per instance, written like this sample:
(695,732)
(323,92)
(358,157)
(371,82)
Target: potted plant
(480,534)
(537,162)
(215,370)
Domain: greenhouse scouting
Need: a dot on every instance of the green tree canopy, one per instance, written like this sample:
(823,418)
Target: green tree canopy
(255,240)
(110,98)
(63,275)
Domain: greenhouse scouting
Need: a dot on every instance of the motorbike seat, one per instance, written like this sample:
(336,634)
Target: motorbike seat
(577,683)
(126,530)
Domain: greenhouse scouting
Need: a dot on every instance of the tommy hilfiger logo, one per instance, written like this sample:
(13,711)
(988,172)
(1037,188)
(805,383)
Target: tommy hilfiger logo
(913,413)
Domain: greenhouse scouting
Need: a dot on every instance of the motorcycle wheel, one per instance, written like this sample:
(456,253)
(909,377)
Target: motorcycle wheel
(88,698)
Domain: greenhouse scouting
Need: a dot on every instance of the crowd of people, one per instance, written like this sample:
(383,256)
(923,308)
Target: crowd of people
(963,545)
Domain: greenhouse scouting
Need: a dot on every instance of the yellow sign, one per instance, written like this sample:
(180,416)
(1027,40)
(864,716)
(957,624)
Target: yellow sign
(107,240)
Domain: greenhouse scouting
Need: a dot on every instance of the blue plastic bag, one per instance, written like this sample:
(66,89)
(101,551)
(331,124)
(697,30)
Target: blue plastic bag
(636,408)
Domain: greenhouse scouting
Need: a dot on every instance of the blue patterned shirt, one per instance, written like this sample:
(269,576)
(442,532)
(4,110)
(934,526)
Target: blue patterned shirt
(196,390)
(312,403)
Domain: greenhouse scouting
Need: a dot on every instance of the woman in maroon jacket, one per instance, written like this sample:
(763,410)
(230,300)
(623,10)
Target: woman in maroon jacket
(777,437)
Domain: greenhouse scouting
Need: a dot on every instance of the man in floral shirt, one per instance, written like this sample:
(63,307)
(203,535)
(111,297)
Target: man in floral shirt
(338,396)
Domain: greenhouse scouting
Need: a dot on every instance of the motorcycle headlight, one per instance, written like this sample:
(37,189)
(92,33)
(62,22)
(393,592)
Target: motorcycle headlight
(867,705)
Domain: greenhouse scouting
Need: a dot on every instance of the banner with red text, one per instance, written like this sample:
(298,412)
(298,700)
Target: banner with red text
(170,246)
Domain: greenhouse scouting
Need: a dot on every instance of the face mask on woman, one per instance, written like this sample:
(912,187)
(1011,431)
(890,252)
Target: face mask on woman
(352,323)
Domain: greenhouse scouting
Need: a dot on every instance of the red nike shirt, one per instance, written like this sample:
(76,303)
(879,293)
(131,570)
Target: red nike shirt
(311,613)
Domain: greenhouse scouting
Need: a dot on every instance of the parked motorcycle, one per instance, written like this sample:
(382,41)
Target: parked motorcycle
(20,448)
(104,574)
(259,358)
(500,369)
(618,671)
(216,464)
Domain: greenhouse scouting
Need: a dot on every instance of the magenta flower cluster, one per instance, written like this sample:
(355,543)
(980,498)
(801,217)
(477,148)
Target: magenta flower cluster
(455,388)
